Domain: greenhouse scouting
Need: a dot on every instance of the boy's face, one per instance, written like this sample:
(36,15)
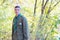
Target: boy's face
(17,10)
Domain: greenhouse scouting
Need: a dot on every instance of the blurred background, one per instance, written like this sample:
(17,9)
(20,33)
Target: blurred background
(43,18)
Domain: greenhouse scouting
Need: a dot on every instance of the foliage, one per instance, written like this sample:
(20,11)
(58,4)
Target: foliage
(42,26)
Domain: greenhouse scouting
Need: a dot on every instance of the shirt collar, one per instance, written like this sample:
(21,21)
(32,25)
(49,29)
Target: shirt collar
(19,15)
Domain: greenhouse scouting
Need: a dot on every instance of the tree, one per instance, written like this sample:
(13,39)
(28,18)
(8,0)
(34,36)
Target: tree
(44,18)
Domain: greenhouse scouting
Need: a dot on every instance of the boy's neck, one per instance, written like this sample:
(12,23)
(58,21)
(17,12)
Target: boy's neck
(17,14)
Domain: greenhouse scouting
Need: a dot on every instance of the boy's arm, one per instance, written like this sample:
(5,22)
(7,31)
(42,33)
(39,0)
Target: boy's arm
(25,29)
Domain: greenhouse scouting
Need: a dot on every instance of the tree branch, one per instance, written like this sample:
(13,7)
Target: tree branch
(46,3)
(2,2)
(54,6)
(51,8)
(42,7)
(35,7)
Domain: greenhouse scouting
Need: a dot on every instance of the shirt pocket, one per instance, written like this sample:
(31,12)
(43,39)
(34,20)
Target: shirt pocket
(19,23)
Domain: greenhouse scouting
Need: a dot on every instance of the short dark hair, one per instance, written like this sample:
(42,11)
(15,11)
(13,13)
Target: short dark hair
(17,6)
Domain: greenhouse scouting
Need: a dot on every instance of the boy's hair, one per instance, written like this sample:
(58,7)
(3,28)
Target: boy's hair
(17,6)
